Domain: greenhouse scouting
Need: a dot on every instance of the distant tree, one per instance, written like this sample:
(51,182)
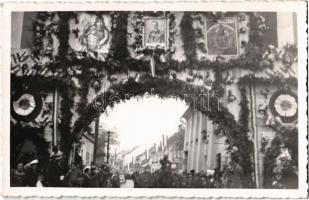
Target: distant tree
(177,139)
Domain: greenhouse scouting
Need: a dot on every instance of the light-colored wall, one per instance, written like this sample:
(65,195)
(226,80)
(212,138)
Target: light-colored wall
(87,148)
(286,29)
(198,148)
(16,29)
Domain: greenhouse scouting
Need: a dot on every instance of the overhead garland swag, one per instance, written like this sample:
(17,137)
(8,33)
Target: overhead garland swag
(121,61)
(165,88)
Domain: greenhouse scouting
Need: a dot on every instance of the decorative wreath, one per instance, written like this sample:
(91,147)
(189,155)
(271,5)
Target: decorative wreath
(283,103)
(26,106)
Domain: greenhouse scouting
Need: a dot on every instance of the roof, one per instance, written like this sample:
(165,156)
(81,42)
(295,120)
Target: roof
(187,113)
(88,137)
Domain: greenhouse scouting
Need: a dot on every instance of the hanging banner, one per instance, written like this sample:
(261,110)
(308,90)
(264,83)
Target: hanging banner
(221,37)
(90,33)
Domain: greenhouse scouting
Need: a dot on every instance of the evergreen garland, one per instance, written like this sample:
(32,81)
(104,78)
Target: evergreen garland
(119,61)
(119,44)
(245,145)
(256,46)
(286,136)
(165,88)
(244,110)
(252,79)
(188,37)
(66,139)
(63,35)
(216,86)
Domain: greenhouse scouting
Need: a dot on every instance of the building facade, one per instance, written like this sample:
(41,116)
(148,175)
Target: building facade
(203,150)
(87,147)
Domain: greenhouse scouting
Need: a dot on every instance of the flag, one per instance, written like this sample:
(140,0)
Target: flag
(152,150)
(160,147)
(22,34)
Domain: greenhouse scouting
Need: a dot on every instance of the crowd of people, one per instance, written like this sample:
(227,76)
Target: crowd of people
(228,177)
(58,174)
(31,175)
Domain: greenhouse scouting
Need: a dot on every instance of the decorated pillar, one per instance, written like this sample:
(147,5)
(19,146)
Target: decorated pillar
(55,117)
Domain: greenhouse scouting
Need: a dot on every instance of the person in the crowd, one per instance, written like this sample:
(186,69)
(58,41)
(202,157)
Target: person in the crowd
(175,180)
(204,179)
(238,174)
(145,179)
(103,176)
(93,178)
(226,177)
(18,176)
(32,172)
(217,177)
(115,180)
(154,179)
(135,177)
(86,178)
(165,175)
(53,173)
(196,181)
(183,179)
(76,176)
(64,169)
(41,182)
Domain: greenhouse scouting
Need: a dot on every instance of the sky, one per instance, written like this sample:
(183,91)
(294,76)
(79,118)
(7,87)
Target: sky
(143,121)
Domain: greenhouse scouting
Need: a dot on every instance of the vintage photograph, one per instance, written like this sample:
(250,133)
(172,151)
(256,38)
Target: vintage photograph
(148,99)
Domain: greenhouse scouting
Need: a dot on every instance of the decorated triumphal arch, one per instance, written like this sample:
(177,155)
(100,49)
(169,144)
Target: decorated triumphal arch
(229,66)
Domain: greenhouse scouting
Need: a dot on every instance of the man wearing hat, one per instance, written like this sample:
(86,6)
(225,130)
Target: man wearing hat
(94,180)
(32,173)
(18,176)
(76,176)
(103,176)
(53,173)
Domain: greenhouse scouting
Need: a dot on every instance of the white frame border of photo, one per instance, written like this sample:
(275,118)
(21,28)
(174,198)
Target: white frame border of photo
(227,57)
(166,34)
(298,7)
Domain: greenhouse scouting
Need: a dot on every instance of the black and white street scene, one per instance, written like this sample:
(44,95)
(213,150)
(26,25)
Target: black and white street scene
(154,99)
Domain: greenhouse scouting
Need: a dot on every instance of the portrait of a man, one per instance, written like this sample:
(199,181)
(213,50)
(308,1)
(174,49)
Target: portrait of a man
(221,37)
(155,32)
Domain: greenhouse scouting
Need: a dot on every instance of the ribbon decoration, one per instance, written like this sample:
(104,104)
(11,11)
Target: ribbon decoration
(227,134)
(152,65)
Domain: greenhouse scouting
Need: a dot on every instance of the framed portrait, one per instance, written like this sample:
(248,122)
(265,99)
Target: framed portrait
(222,37)
(155,33)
